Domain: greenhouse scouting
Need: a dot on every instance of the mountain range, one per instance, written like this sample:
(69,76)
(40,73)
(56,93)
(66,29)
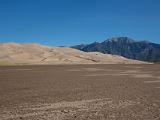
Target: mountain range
(126,47)
(14,53)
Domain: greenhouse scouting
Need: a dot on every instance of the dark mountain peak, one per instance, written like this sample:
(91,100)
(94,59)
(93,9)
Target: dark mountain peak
(121,40)
(95,43)
(126,47)
(145,41)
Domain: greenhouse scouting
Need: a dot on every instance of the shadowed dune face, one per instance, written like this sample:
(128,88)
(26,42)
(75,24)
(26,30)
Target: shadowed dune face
(39,54)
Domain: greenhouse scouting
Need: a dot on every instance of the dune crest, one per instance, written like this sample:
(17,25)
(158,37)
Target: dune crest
(40,54)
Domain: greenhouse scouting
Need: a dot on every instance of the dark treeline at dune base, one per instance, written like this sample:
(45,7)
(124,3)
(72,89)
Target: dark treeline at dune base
(126,47)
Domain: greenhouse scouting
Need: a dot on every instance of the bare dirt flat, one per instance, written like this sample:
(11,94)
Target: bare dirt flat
(80,92)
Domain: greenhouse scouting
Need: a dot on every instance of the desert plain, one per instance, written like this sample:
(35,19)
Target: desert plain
(80,92)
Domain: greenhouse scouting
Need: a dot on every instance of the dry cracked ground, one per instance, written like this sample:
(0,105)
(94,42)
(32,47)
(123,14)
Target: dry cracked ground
(80,92)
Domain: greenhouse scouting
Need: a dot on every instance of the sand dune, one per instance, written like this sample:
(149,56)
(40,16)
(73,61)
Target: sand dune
(39,54)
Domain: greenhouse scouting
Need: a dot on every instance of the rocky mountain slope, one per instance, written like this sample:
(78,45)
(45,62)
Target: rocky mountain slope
(38,54)
(126,47)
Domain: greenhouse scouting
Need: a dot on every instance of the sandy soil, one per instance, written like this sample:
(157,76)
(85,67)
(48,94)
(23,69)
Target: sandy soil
(80,92)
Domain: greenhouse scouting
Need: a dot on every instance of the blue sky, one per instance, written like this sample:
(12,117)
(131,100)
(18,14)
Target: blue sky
(71,22)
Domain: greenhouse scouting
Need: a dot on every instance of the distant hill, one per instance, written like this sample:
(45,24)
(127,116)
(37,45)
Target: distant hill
(14,53)
(126,47)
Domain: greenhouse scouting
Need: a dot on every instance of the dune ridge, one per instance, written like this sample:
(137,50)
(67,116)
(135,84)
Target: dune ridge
(34,53)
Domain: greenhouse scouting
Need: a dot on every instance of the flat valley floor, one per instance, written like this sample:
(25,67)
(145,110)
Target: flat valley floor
(80,92)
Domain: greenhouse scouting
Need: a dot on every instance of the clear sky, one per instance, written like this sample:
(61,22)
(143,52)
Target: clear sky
(71,22)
